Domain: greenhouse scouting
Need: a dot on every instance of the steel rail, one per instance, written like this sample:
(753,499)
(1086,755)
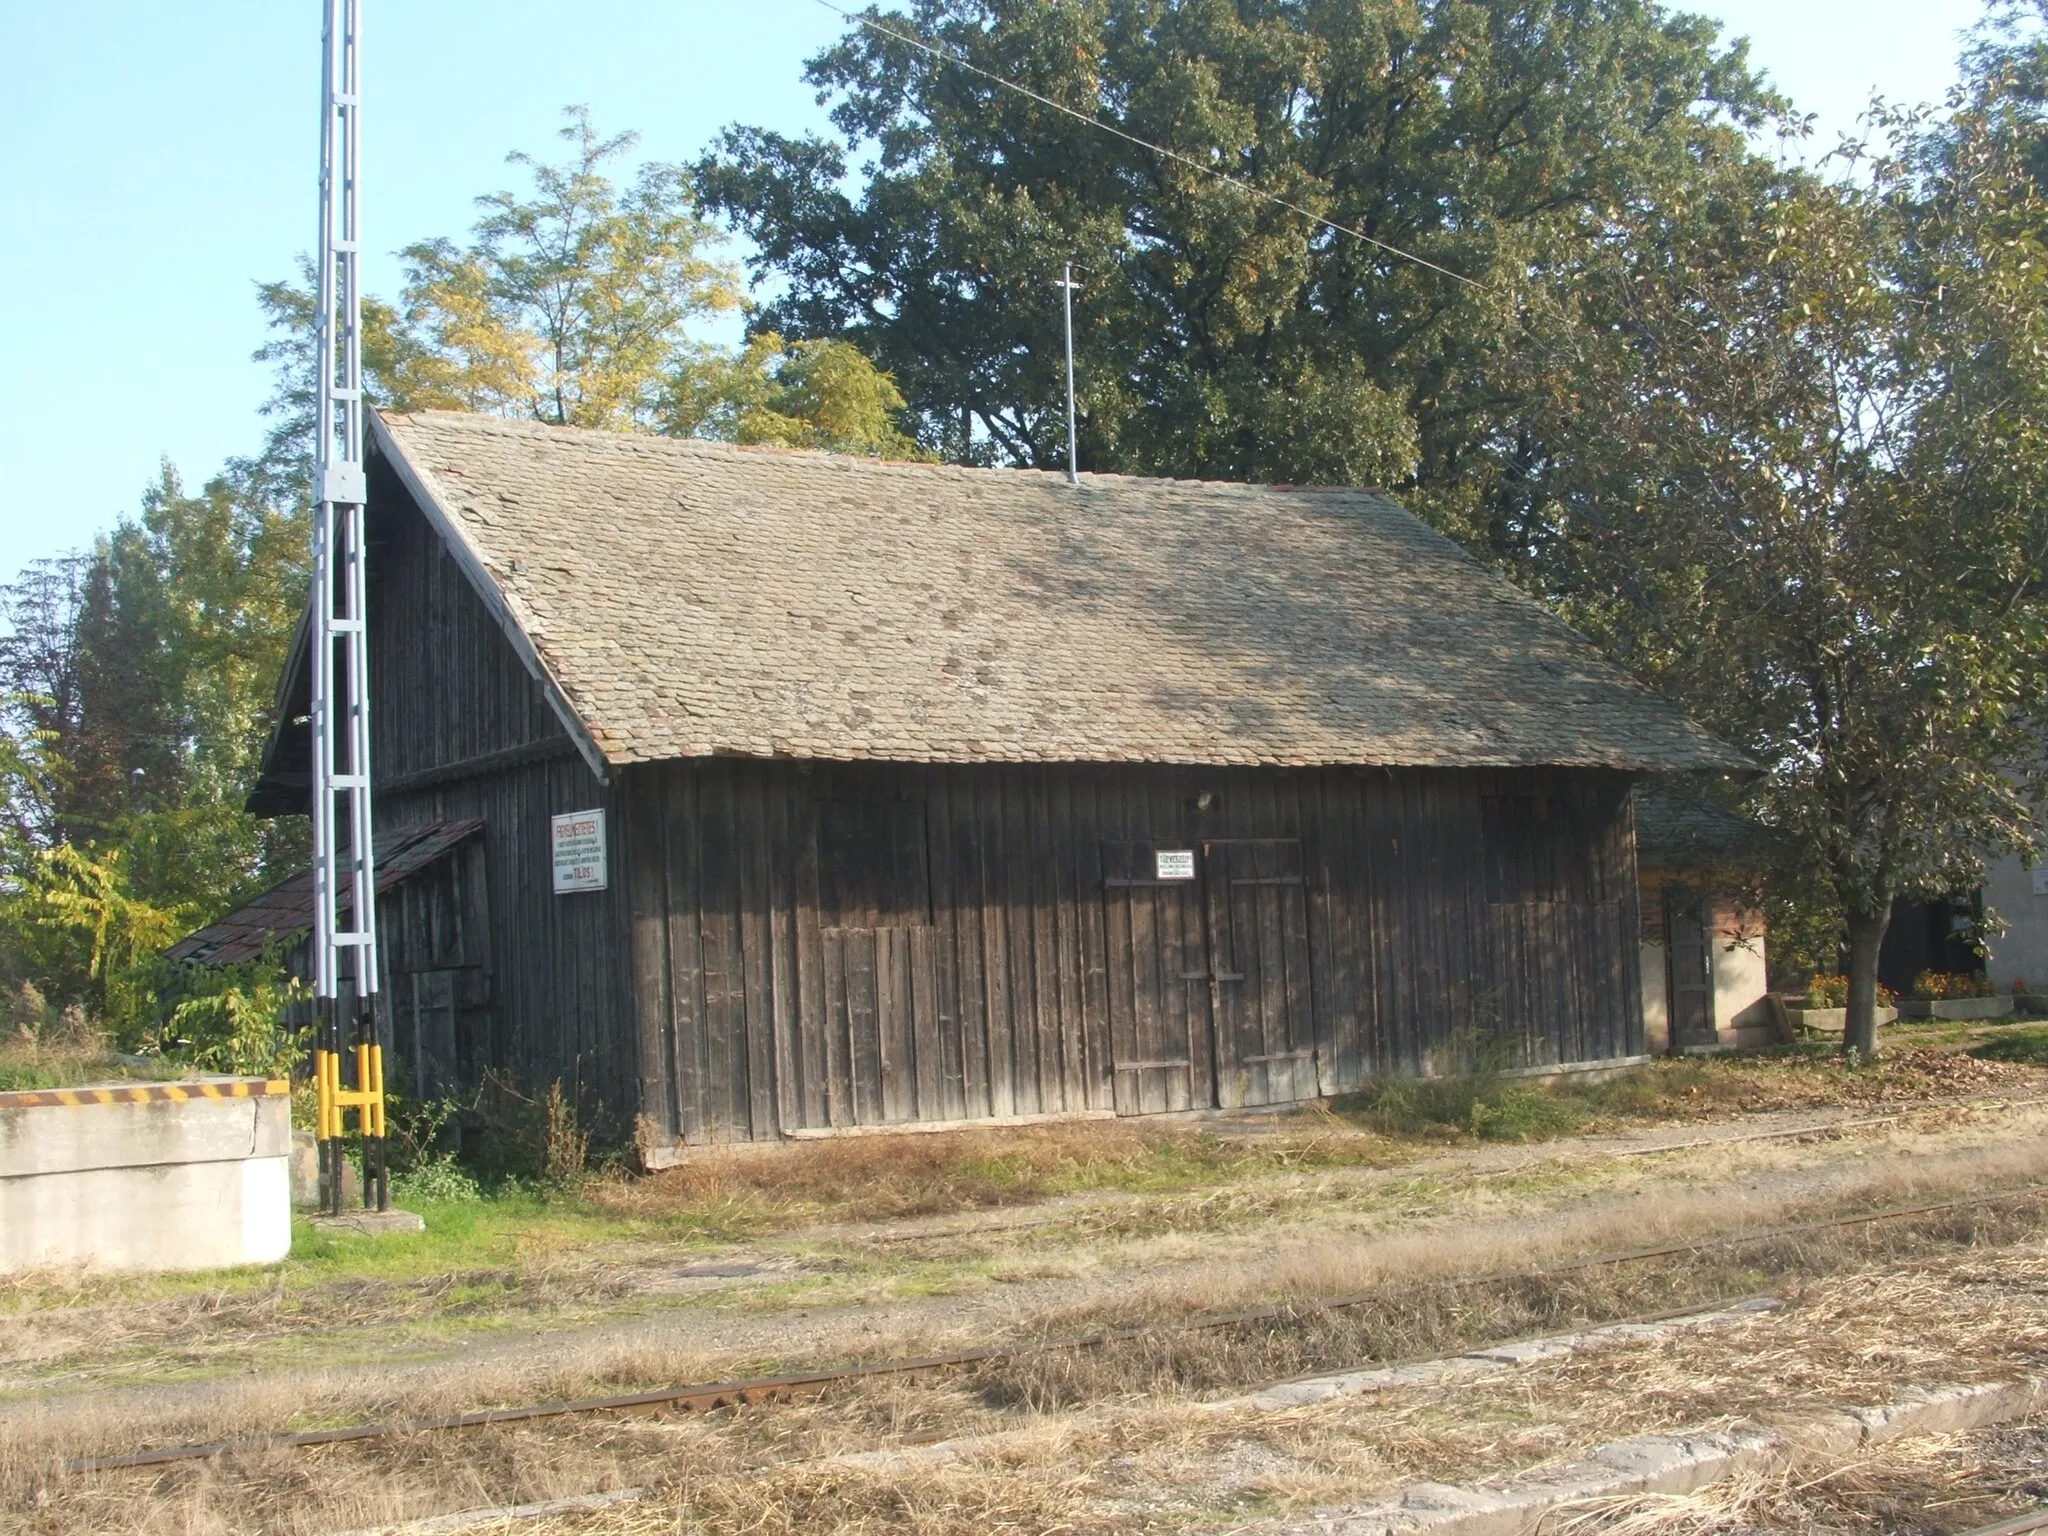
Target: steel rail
(706,1396)
(2017,1526)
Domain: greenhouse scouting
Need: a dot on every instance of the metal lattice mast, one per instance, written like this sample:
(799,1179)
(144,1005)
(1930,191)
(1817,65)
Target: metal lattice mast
(343,840)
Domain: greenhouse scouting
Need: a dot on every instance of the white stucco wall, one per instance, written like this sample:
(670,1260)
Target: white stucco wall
(2022,950)
(1742,1016)
(1656,998)
(1737,954)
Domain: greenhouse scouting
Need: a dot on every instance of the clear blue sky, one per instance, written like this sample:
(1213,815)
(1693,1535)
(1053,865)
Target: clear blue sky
(156,161)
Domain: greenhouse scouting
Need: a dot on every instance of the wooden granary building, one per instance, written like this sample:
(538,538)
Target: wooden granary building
(800,793)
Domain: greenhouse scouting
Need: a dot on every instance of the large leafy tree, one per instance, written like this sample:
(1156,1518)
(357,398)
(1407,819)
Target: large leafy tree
(137,683)
(574,303)
(806,394)
(1219,333)
(1800,477)
(569,305)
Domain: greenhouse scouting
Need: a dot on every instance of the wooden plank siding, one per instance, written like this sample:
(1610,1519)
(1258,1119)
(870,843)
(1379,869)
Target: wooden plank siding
(556,972)
(1345,923)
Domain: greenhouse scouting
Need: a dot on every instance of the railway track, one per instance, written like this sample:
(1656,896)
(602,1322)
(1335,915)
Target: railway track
(708,1396)
(2017,1526)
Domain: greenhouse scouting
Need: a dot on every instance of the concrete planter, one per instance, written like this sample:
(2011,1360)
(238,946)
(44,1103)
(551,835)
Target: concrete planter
(191,1175)
(1832,1021)
(1956,1008)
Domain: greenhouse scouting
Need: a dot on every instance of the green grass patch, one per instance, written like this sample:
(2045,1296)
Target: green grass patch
(509,1229)
(2024,1044)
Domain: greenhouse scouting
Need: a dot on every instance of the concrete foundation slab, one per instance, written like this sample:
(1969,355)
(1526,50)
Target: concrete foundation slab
(372,1223)
(189,1175)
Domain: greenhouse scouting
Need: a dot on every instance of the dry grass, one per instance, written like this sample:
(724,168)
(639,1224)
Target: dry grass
(1166,1468)
(1419,1318)
(865,1218)
(1140,1455)
(889,1178)
(1053,1289)
(1811,1078)
(661,1348)
(1928,1485)
(1143,1249)
(1652,1214)
(55,1060)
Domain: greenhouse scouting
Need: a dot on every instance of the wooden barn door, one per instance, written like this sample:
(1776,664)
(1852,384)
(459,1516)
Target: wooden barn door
(1158,979)
(1688,942)
(1258,952)
(886,1012)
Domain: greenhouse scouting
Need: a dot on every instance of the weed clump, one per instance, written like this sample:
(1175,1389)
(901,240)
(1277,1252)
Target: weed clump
(1471,1104)
(1483,1100)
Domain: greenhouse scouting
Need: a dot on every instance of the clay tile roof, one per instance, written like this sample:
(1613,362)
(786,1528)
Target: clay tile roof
(286,909)
(694,599)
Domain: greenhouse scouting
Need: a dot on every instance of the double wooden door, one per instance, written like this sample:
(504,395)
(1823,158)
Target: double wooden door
(1209,986)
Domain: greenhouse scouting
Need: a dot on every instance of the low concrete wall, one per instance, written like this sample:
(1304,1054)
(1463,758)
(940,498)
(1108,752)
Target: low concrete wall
(1954,1007)
(192,1175)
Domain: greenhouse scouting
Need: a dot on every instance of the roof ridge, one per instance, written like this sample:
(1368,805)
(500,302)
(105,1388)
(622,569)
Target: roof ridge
(610,437)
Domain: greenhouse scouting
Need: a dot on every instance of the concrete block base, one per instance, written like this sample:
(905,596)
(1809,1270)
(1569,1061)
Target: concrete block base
(191,1175)
(372,1223)
(1955,1008)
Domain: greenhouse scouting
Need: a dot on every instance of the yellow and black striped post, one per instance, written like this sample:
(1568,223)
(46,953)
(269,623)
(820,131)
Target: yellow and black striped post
(336,1098)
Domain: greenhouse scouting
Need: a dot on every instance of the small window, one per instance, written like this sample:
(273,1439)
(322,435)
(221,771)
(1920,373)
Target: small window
(874,868)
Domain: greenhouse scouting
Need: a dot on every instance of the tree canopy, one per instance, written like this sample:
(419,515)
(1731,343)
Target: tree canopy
(1218,333)
(1815,508)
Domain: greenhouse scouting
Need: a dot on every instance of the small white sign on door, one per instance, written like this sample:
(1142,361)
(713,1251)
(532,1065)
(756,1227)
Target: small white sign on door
(579,852)
(2041,881)
(1173,863)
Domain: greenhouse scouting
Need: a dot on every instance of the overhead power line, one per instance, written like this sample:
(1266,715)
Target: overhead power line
(948,56)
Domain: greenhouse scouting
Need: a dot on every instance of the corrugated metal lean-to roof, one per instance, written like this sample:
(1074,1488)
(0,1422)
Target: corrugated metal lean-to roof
(286,910)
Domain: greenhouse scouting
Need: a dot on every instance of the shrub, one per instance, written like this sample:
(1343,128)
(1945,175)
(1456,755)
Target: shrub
(28,1015)
(436,1181)
(236,1019)
(1943,986)
(564,1145)
(1833,992)
(1828,992)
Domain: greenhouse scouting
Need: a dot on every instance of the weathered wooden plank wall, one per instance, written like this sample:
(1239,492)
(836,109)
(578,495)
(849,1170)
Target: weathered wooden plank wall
(1021,961)
(445,686)
(447,691)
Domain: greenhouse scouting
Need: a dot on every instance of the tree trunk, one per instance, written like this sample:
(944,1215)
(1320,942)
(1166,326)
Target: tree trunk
(1866,937)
